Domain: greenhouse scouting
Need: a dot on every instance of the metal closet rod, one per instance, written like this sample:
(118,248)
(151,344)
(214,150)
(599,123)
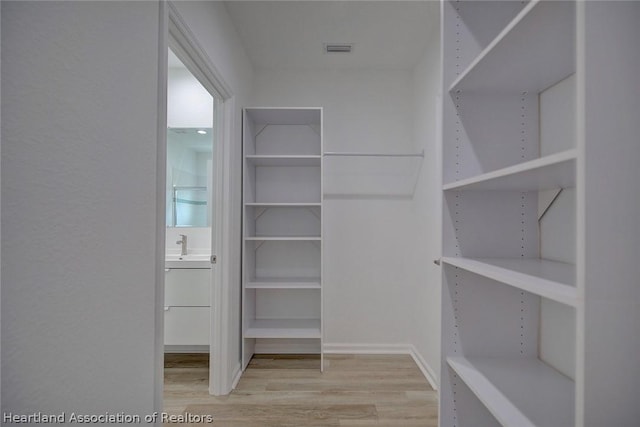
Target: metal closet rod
(356,154)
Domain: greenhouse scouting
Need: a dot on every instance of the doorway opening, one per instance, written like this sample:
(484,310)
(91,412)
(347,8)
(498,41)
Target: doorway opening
(190,209)
(193,302)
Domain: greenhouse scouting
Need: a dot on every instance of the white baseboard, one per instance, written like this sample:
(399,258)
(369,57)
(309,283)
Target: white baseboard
(408,349)
(367,348)
(424,367)
(235,377)
(287,346)
(186,349)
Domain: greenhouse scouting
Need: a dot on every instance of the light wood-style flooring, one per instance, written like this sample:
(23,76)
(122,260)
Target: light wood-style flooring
(290,391)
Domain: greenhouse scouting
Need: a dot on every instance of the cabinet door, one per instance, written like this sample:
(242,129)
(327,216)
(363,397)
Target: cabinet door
(187,287)
(186,325)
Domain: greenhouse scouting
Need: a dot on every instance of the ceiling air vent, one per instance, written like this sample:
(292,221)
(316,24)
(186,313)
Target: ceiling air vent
(338,47)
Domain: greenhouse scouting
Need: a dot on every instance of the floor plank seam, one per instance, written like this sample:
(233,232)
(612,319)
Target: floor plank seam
(281,391)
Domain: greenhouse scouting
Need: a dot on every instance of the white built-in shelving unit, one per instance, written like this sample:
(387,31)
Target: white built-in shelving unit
(539,316)
(282,231)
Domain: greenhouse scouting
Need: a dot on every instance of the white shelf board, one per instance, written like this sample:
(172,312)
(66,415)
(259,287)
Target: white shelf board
(536,50)
(283,283)
(550,172)
(283,205)
(519,392)
(283,328)
(288,160)
(549,279)
(284,238)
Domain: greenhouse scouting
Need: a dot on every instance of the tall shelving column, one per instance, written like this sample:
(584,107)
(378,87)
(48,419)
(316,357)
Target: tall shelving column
(502,157)
(540,294)
(282,231)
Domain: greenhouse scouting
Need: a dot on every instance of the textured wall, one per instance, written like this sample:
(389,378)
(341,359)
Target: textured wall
(79,146)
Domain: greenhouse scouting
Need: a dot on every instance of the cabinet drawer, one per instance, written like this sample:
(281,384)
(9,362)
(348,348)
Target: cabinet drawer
(186,325)
(187,287)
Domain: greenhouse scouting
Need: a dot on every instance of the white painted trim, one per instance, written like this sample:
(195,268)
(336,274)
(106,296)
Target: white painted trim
(1,246)
(217,360)
(322,245)
(367,348)
(581,218)
(408,349)
(255,107)
(221,379)
(236,375)
(186,349)
(186,47)
(161,177)
(292,347)
(426,369)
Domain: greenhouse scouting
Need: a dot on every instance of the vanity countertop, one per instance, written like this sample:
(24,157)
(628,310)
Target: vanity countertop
(191,260)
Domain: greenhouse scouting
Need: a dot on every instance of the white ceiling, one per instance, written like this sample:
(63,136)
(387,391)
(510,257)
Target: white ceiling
(290,34)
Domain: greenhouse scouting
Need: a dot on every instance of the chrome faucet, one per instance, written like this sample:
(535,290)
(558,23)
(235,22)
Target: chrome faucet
(183,242)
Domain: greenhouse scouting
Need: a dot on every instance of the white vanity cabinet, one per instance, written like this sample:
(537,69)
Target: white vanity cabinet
(187,308)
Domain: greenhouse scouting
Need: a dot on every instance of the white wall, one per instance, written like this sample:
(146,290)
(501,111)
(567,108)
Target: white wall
(79,208)
(213,28)
(368,264)
(427,209)
(79,133)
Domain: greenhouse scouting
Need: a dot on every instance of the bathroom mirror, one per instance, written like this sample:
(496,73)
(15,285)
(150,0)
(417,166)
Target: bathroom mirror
(190,143)
(189,177)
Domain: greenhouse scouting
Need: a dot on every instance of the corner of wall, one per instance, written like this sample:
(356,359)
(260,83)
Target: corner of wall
(428,211)
(426,369)
(408,349)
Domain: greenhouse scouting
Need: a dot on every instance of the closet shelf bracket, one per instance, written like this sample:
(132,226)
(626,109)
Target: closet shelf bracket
(553,200)
(260,130)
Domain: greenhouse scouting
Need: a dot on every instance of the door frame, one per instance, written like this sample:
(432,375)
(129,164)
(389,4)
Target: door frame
(175,34)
